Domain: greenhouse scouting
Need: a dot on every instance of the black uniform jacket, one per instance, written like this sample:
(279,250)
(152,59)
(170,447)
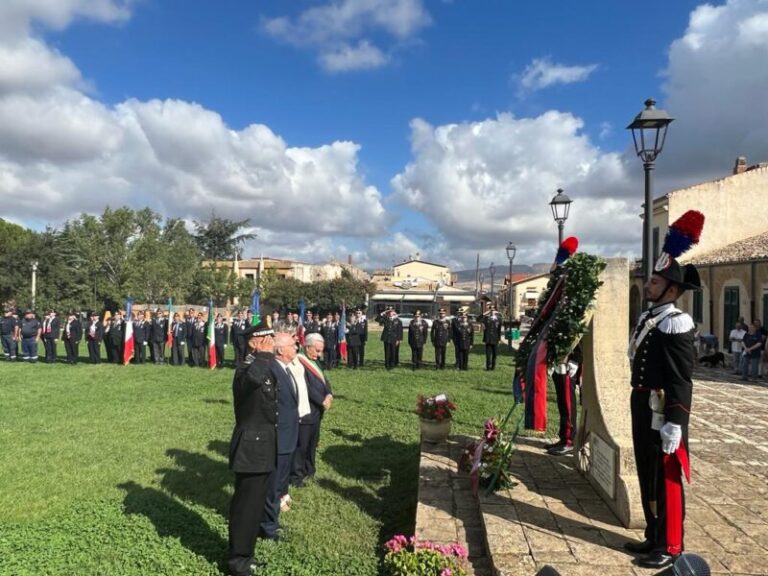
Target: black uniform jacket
(75,331)
(355,334)
(417,334)
(253,448)
(664,360)
(159,330)
(54,326)
(464,336)
(393,331)
(95,331)
(491,328)
(236,335)
(441,332)
(141,331)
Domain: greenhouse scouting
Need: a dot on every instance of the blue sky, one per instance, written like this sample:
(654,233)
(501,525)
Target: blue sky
(377,128)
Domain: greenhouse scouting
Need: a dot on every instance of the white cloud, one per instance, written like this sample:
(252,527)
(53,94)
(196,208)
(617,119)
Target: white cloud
(63,152)
(360,57)
(17,15)
(340,30)
(485,183)
(542,73)
(716,82)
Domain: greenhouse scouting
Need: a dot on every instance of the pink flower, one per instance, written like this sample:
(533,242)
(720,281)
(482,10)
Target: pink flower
(446,572)
(491,431)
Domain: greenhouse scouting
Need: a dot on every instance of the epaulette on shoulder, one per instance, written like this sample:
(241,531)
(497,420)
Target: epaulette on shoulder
(679,323)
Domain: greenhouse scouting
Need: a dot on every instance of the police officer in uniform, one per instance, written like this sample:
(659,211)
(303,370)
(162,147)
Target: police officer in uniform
(417,337)
(179,342)
(29,331)
(117,337)
(253,448)
(9,332)
(566,378)
(440,335)
(221,337)
(158,335)
(391,336)
(491,335)
(329,330)
(363,322)
(237,336)
(311,325)
(662,355)
(464,338)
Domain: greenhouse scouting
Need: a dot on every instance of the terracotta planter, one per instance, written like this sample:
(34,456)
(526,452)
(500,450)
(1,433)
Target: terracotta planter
(434,431)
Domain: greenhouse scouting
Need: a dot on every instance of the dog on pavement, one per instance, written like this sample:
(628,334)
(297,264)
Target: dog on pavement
(712,360)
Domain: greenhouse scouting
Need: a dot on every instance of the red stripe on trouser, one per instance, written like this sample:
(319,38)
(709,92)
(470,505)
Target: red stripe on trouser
(540,389)
(568,408)
(673,485)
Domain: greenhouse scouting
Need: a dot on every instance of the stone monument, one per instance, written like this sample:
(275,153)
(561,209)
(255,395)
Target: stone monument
(603,446)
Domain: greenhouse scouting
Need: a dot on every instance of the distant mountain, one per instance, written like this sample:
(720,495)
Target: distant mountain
(465,276)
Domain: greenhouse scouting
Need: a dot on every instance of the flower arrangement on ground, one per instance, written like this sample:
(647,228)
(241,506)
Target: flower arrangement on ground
(435,407)
(407,556)
(487,459)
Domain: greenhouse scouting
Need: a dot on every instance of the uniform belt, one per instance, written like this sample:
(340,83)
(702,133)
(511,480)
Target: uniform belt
(644,388)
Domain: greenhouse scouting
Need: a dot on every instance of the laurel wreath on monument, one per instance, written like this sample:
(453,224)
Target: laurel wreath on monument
(571,316)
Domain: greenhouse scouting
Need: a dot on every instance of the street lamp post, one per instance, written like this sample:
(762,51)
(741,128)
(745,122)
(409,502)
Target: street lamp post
(480,297)
(560,205)
(34,283)
(492,271)
(511,251)
(649,132)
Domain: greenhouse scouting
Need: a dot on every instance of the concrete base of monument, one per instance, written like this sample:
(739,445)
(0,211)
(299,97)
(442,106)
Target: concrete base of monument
(604,440)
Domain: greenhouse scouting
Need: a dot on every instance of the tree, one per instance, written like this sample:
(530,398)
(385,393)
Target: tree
(218,238)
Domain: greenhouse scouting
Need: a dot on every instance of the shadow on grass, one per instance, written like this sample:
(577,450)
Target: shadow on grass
(198,478)
(216,401)
(172,519)
(386,471)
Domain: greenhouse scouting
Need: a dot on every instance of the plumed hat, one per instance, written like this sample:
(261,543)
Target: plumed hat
(682,235)
(567,249)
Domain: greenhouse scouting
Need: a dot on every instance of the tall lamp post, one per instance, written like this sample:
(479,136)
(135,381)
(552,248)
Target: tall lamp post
(560,205)
(649,132)
(492,271)
(511,251)
(34,283)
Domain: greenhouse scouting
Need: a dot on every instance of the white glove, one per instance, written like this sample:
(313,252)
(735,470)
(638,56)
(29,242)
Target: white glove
(671,434)
(572,369)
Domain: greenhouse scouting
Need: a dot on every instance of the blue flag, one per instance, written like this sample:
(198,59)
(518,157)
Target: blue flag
(255,308)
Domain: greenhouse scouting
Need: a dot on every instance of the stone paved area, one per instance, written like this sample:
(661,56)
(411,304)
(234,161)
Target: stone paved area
(553,516)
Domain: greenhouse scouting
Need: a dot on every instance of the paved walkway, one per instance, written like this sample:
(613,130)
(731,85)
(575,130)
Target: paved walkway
(553,516)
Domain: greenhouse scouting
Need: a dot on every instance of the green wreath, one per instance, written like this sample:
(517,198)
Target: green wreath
(569,323)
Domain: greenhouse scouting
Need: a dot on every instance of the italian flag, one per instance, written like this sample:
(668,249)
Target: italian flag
(211,337)
(128,348)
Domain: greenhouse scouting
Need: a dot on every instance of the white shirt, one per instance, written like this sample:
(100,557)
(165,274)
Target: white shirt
(736,336)
(296,368)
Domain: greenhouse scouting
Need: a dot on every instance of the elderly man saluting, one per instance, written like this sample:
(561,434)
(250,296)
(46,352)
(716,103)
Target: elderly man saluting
(253,449)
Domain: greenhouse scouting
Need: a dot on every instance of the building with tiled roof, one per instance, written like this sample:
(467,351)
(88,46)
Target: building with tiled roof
(732,256)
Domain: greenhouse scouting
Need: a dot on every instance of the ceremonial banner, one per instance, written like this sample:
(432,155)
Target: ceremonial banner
(211,337)
(256,318)
(342,332)
(128,347)
(169,337)
(300,329)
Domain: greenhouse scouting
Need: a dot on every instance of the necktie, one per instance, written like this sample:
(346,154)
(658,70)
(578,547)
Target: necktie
(293,380)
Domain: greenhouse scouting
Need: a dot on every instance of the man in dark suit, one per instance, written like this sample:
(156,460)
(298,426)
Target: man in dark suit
(319,399)
(287,432)
(491,321)
(179,335)
(51,331)
(158,336)
(71,335)
(329,330)
(354,342)
(117,336)
(94,334)
(253,448)
(140,338)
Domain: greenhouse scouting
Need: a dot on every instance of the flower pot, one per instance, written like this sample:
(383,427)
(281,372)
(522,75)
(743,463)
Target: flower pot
(435,431)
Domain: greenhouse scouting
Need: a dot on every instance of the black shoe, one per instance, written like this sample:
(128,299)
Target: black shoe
(560,451)
(643,547)
(657,559)
(551,445)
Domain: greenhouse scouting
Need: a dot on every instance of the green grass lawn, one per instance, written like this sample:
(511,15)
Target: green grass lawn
(111,470)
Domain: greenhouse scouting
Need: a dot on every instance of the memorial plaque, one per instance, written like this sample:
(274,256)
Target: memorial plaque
(603,464)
